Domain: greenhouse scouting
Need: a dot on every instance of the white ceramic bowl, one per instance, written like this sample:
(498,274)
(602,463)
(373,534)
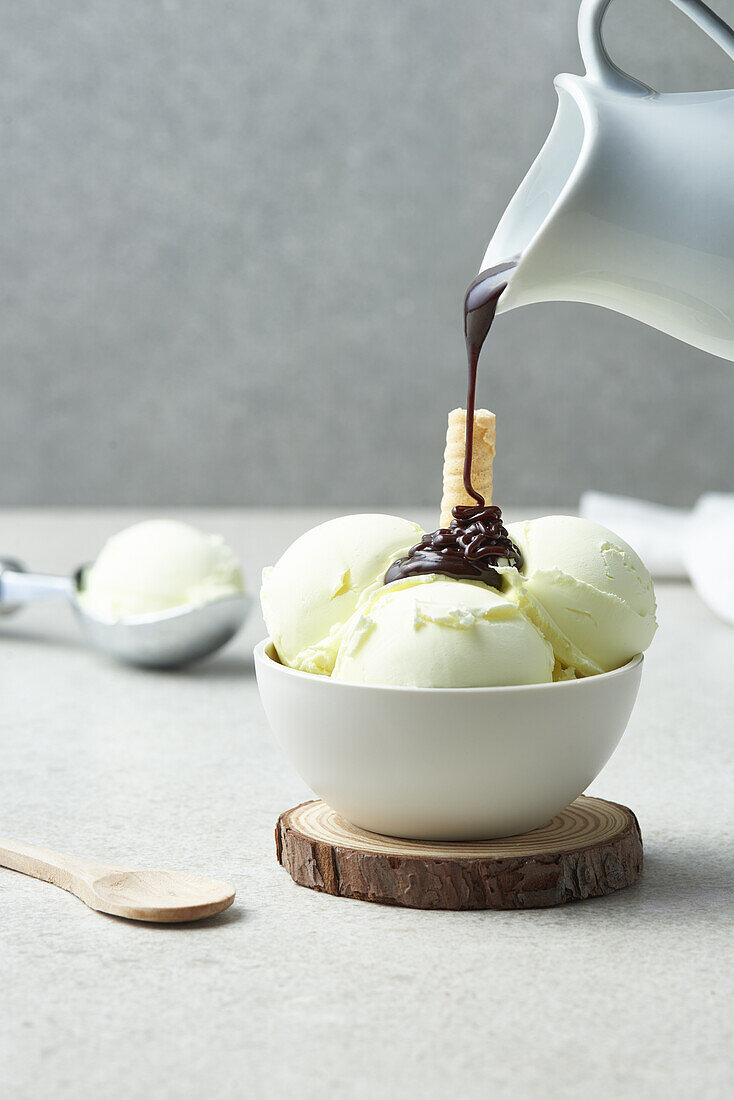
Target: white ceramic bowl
(446,763)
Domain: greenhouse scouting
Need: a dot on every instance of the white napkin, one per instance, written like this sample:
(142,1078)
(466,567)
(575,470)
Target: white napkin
(675,543)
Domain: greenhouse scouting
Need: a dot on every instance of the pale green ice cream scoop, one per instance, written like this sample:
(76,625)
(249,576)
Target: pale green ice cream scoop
(310,593)
(585,589)
(437,632)
(158,565)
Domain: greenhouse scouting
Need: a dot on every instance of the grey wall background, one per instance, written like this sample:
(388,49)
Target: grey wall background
(234,238)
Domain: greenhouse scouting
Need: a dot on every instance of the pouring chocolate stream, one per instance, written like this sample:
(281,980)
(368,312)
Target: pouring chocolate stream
(475,542)
(480,307)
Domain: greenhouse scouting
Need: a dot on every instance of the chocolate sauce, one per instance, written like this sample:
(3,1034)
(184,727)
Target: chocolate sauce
(480,306)
(471,548)
(475,542)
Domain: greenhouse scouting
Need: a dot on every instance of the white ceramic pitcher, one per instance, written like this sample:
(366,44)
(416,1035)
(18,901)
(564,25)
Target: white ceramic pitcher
(630,203)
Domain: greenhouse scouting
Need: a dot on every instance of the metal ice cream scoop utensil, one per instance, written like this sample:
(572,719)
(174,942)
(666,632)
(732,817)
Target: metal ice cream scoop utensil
(165,639)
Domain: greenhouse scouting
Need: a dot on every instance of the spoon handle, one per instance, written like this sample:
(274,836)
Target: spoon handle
(68,872)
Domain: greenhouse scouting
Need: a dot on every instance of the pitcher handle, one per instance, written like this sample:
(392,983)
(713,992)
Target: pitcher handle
(599,64)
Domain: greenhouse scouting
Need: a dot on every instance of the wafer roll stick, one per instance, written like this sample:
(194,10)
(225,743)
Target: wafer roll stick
(453,461)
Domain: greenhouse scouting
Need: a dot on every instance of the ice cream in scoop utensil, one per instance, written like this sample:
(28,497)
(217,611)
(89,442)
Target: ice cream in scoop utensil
(164,639)
(167,897)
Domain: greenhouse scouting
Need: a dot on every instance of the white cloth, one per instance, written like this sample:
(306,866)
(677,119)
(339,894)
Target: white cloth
(676,543)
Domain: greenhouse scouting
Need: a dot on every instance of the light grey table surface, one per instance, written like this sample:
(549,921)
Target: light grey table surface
(297,994)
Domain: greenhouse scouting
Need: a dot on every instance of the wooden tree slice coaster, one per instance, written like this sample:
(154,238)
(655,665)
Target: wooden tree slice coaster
(593,847)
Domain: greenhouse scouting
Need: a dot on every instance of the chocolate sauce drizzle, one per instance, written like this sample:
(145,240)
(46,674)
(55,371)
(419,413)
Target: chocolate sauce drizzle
(475,542)
(471,548)
(480,307)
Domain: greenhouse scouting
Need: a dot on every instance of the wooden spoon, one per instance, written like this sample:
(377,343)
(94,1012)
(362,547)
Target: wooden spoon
(132,892)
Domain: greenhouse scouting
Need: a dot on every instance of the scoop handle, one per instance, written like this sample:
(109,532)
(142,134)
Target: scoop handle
(18,587)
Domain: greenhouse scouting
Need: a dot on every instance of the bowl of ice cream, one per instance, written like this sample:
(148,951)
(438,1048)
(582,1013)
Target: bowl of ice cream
(438,707)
